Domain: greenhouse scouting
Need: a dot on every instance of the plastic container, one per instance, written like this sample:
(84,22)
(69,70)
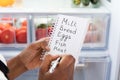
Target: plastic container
(98,32)
(87,69)
(42,26)
(93,68)
(14,31)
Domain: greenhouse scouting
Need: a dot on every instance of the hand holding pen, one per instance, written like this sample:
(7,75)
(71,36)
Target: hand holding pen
(63,71)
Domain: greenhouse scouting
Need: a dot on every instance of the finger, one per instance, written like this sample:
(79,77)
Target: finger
(47,62)
(42,43)
(66,61)
(71,71)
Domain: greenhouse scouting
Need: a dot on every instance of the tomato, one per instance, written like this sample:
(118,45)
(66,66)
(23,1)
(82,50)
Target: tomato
(7,25)
(21,36)
(6,18)
(2,26)
(0,35)
(50,29)
(22,28)
(7,36)
(24,23)
(40,33)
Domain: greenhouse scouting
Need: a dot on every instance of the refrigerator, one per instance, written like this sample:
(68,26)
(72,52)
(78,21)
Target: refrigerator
(99,57)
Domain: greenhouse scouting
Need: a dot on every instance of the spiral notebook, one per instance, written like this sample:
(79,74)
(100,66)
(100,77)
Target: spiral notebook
(68,35)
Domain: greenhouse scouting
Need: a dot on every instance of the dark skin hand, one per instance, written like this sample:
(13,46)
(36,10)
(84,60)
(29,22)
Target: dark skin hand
(32,54)
(28,59)
(64,70)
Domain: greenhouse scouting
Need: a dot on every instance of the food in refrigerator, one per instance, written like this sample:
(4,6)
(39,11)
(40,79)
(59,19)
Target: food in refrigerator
(21,30)
(94,1)
(50,29)
(96,37)
(13,31)
(7,31)
(77,2)
(85,2)
(43,27)
(7,36)
(41,31)
(21,34)
(5,3)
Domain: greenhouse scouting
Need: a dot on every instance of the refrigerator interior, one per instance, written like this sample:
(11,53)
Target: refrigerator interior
(96,46)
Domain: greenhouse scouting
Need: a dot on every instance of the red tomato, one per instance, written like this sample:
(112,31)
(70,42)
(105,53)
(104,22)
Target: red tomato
(40,33)
(0,35)
(6,18)
(21,36)
(7,36)
(50,29)
(7,25)
(22,28)
(24,23)
(2,27)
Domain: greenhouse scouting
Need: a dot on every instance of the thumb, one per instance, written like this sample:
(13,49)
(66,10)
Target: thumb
(47,62)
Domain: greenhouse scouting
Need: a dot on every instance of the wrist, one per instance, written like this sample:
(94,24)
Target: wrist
(21,64)
(16,67)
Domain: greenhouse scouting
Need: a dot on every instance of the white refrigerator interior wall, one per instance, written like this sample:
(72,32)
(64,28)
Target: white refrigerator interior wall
(115,38)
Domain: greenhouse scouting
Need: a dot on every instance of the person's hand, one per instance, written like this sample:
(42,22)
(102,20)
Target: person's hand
(63,71)
(31,55)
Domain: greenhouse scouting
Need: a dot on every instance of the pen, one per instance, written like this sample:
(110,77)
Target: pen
(54,65)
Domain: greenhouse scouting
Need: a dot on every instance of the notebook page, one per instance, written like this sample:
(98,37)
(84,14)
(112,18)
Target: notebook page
(68,35)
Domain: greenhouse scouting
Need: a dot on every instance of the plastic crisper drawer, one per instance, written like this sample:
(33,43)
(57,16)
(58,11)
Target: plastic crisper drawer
(88,69)
(42,26)
(96,37)
(93,69)
(98,33)
(14,31)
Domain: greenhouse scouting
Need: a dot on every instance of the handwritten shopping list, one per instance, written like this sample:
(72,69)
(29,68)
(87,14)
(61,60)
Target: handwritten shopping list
(68,35)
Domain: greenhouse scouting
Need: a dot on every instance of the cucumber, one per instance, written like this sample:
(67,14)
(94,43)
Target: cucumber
(77,2)
(85,2)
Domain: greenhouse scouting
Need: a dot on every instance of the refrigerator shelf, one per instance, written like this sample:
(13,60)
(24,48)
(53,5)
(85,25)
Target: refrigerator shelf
(52,6)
